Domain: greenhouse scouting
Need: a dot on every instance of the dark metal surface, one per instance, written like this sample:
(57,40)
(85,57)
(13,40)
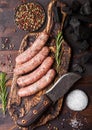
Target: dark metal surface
(62,86)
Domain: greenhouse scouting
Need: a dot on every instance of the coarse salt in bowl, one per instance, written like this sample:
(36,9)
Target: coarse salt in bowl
(77,100)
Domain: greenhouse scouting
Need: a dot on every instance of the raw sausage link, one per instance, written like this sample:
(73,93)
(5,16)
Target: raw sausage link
(33,63)
(37,74)
(33,50)
(39,85)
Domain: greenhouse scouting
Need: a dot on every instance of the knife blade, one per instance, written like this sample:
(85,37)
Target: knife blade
(58,90)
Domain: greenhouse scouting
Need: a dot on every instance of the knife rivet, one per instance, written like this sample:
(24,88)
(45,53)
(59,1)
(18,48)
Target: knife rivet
(45,103)
(34,111)
(23,121)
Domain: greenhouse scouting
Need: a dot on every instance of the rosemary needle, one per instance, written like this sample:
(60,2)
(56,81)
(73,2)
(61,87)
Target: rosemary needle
(59,40)
(3,91)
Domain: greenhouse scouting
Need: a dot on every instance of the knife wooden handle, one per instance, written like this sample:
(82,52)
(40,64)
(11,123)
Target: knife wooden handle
(35,113)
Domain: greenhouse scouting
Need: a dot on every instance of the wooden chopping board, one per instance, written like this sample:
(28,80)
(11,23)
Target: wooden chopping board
(15,37)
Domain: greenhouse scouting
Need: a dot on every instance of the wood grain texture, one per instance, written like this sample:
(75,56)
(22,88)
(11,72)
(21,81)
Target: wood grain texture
(66,114)
(63,121)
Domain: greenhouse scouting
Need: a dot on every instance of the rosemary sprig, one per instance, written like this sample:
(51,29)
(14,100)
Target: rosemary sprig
(59,40)
(3,91)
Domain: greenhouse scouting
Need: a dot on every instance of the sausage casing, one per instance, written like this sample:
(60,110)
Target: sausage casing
(33,49)
(33,63)
(39,85)
(36,74)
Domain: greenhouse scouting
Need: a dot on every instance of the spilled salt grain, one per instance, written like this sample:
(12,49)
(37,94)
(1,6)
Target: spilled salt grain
(77,124)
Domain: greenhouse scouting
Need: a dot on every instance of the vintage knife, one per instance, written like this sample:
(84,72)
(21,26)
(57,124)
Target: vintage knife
(61,87)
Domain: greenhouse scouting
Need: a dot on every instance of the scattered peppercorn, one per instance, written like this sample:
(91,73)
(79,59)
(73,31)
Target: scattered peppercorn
(30,16)
(51,127)
(6,40)
(11,46)
(3,46)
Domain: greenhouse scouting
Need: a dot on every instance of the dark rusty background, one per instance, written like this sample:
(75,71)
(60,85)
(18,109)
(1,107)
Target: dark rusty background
(10,39)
